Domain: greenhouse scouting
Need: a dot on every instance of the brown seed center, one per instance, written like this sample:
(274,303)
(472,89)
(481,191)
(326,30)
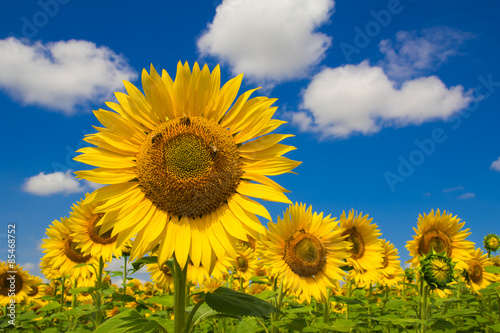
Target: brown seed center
(74,254)
(94,231)
(10,282)
(358,244)
(305,254)
(434,239)
(475,271)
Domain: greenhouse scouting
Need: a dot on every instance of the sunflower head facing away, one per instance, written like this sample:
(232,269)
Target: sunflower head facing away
(306,251)
(491,242)
(440,233)
(181,161)
(437,269)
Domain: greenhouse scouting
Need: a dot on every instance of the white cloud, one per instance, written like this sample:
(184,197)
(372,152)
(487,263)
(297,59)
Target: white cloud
(416,52)
(30,267)
(362,99)
(62,75)
(467,195)
(270,41)
(52,183)
(495,165)
(451,189)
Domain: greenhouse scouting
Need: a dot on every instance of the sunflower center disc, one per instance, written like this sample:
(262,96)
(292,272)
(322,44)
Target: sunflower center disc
(475,272)
(189,166)
(7,283)
(493,242)
(437,240)
(358,245)
(34,291)
(73,253)
(305,254)
(242,263)
(166,270)
(94,231)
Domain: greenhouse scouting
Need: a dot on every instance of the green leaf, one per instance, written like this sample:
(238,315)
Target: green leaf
(234,303)
(50,306)
(346,300)
(165,300)
(76,291)
(27,316)
(395,304)
(129,321)
(442,325)
(461,312)
(266,294)
(123,298)
(247,325)
(143,261)
(495,328)
(302,309)
(492,269)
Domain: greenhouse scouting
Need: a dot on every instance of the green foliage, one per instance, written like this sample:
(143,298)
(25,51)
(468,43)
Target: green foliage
(235,303)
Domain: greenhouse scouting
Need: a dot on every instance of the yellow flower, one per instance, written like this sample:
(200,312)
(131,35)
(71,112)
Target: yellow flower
(477,276)
(391,264)
(37,289)
(85,230)
(306,251)
(62,254)
(244,263)
(366,253)
(181,162)
(394,279)
(15,284)
(442,233)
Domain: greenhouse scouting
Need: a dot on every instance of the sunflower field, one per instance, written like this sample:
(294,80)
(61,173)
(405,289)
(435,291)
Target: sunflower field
(181,163)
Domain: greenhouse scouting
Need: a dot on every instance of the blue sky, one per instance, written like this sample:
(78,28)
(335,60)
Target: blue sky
(394,104)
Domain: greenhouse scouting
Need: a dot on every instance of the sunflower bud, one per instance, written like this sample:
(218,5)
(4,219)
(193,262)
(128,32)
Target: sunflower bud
(491,242)
(438,269)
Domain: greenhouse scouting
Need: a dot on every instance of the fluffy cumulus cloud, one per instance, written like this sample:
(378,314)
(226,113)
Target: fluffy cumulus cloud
(495,165)
(361,98)
(416,52)
(62,75)
(58,182)
(269,41)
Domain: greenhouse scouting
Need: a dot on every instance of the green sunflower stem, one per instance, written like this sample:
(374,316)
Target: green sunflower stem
(424,290)
(62,290)
(124,281)
(98,305)
(279,303)
(326,309)
(187,329)
(179,297)
(349,293)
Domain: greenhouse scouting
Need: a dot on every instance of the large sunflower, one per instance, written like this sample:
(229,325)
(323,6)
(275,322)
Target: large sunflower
(15,284)
(62,254)
(477,277)
(366,253)
(180,163)
(86,233)
(306,251)
(441,232)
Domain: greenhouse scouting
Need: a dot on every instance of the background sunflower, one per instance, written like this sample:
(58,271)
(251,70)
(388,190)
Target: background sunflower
(305,251)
